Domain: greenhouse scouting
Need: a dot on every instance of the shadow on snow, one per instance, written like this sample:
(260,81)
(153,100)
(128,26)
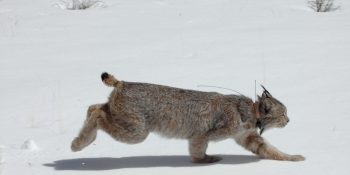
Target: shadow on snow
(108,163)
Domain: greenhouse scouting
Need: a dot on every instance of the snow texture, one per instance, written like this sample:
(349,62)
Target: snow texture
(51,60)
(30,145)
(80,4)
(1,160)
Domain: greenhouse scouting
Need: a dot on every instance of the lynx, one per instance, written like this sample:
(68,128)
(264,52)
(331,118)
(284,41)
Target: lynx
(135,109)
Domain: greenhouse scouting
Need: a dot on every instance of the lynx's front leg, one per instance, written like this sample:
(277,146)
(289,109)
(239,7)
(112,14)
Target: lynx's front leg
(198,147)
(255,143)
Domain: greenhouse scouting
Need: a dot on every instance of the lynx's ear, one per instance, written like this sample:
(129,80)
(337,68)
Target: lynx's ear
(259,97)
(266,95)
(267,105)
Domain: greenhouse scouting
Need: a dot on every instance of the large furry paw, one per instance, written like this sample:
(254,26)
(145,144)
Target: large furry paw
(76,146)
(207,159)
(296,158)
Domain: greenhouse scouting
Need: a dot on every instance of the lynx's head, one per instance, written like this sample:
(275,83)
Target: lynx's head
(273,114)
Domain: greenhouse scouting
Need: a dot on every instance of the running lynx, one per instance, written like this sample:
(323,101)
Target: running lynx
(134,110)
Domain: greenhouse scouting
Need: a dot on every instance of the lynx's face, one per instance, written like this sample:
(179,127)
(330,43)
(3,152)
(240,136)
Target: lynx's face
(273,112)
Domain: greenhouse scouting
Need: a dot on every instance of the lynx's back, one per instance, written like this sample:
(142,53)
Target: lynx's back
(172,112)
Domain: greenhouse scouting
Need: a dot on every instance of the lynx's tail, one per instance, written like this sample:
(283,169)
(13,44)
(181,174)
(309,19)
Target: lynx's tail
(109,80)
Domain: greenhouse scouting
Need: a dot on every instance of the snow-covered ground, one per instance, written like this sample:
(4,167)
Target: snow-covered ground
(51,60)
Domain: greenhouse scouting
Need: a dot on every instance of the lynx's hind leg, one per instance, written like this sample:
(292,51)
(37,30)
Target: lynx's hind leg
(89,130)
(255,143)
(197,148)
(125,127)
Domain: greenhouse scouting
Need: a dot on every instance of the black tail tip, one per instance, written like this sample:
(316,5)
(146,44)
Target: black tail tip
(104,76)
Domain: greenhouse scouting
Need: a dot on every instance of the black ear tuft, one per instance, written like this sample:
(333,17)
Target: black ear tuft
(266,93)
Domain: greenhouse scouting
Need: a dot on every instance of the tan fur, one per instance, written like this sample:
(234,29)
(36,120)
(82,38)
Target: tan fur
(136,109)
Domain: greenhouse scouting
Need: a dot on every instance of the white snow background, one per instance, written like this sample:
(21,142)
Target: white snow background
(51,60)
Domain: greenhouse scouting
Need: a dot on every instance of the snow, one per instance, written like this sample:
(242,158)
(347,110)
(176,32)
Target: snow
(80,4)
(30,145)
(51,59)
